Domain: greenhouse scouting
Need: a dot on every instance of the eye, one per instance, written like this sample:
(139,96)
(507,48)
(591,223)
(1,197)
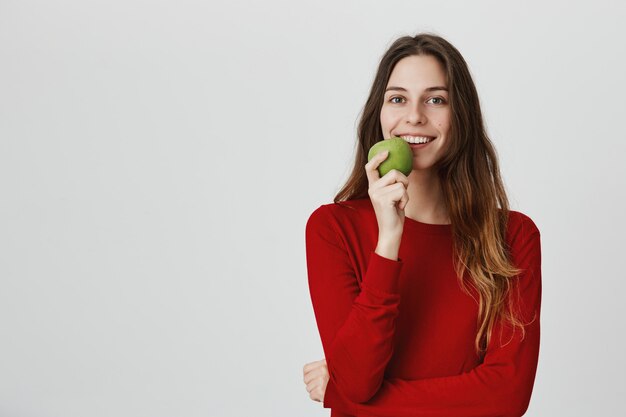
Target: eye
(395,97)
(441,100)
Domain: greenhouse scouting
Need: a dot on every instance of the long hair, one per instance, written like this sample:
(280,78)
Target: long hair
(469,174)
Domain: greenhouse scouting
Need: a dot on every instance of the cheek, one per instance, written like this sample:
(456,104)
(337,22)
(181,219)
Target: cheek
(384,115)
(385,120)
(389,116)
(443,126)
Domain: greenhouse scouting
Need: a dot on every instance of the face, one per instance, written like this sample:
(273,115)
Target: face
(416,104)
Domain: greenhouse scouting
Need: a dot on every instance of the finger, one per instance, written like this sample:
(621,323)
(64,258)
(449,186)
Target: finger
(371,168)
(394,176)
(403,201)
(310,366)
(312,386)
(316,373)
(391,194)
(397,194)
(316,393)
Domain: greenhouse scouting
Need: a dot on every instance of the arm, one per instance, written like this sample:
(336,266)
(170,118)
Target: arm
(356,324)
(500,386)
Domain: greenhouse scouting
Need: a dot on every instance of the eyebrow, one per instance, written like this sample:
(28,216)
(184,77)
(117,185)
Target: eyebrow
(428,89)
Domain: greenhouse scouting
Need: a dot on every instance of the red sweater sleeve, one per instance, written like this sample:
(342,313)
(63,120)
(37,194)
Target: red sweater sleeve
(356,322)
(500,386)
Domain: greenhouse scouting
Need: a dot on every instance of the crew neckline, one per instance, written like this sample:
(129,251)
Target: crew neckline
(416,225)
(439,229)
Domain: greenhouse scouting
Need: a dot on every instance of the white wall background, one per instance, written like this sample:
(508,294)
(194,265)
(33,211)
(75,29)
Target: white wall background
(159,160)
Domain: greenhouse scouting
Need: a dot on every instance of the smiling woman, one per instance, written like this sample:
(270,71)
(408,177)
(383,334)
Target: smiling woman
(426,288)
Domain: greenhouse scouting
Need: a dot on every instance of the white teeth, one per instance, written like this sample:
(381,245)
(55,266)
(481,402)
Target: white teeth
(416,139)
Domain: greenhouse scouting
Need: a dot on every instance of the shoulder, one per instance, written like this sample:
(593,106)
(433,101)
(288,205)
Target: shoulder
(342,217)
(524,239)
(521,225)
(340,213)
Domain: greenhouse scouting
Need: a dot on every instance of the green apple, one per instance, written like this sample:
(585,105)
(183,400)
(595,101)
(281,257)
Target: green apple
(400,155)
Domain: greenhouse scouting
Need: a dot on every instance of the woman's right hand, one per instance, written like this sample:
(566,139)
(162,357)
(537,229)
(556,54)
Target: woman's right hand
(389,197)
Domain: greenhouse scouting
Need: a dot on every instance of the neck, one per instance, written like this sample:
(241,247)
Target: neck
(426,202)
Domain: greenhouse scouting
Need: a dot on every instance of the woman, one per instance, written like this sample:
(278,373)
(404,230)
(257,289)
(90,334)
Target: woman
(426,289)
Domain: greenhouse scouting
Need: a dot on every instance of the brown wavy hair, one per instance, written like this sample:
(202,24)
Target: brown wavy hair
(472,188)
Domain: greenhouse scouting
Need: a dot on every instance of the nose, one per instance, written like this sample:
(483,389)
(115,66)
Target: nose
(415,115)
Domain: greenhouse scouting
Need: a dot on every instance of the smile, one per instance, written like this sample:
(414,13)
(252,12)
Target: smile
(417,140)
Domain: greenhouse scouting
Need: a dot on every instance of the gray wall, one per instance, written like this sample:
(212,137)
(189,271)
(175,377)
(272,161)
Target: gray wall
(159,160)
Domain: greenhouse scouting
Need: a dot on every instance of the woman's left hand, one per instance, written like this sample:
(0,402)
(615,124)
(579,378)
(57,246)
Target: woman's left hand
(316,378)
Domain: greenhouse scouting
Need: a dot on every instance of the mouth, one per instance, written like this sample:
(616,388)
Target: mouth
(417,140)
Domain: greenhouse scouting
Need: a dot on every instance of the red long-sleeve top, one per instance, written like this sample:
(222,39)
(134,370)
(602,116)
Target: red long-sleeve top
(398,335)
